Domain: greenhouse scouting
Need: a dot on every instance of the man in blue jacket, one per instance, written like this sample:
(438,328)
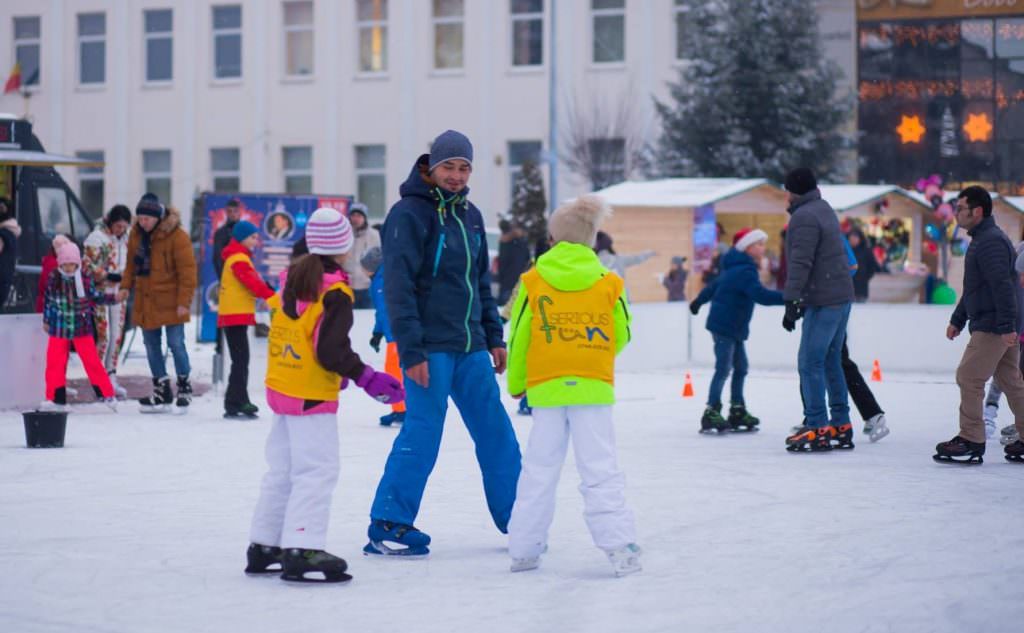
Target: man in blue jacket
(989,305)
(733,295)
(445,321)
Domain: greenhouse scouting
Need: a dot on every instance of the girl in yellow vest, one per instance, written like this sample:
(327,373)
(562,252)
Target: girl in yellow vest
(240,286)
(569,321)
(309,359)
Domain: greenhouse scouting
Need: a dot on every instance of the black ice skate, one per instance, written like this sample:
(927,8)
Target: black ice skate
(1014,452)
(843,437)
(184,396)
(322,566)
(263,559)
(712,421)
(247,411)
(160,401)
(959,451)
(811,439)
(740,420)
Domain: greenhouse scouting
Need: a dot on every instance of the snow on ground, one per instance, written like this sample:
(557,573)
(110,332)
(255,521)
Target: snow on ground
(139,525)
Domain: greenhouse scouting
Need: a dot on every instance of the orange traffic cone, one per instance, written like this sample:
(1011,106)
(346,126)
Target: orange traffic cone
(876,372)
(688,386)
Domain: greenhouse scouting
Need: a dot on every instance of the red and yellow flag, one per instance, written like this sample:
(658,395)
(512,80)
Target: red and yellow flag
(14,81)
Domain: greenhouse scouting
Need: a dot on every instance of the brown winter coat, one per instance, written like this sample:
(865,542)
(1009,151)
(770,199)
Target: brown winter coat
(172,277)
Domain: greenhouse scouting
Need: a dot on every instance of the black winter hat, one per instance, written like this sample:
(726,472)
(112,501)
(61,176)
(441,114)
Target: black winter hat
(118,213)
(800,181)
(150,205)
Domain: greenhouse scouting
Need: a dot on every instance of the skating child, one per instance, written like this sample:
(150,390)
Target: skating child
(69,302)
(310,359)
(240,286)
(372,262)
(569,321)
(733,295)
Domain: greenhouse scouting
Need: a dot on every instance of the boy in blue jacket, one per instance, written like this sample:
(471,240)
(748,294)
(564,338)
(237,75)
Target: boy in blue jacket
(733,295)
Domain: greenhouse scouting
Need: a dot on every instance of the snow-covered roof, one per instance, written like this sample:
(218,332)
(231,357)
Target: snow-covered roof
(677,192)
(949,196)
(846,197)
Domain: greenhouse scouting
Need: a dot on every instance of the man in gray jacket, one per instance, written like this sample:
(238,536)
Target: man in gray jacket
(819,290)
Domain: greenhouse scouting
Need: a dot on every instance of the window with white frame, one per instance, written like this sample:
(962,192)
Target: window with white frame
(156,173)
(520,152)
(298,168)
(372,23)
(527,32)
(92,48)
(371,187)
(298,38)
(227,41)
(159,25)
(27,47)
(679,11)
(225,166)
(449,22)
(609,33)
(90,184)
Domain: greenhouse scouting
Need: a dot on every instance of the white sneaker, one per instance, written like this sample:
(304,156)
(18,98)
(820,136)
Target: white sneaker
(876,428)
(524,564)
(625,560)
(111,403)
(990,415)
(119,392)
(50,405)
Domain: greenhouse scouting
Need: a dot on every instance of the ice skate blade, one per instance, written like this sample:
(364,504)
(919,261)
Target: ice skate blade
(1017,459)
(749,429)
(843,447)
(180,410)
(714,431)
(1006,440)
(163,408)
(974,460)
(330,578)
(876,435)
(796,448)
(524,564)
(381,549)
(239,416)
(256,572)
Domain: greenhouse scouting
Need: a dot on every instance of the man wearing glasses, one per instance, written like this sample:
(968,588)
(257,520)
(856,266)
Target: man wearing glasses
(989,304)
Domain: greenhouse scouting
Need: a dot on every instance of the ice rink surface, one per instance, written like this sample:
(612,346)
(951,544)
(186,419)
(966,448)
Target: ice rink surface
(140,525)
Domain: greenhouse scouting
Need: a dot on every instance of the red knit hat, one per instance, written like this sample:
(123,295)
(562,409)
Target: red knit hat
(746,237)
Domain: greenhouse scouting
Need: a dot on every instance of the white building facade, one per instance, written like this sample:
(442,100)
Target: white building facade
(330,96)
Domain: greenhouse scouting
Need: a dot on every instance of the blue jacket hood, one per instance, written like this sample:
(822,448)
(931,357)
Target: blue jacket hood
(415,187)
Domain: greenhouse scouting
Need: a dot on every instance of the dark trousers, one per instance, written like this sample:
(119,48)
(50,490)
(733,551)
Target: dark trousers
(237,393)
(362,299)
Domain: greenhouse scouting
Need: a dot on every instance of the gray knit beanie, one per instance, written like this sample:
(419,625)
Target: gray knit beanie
(450,145)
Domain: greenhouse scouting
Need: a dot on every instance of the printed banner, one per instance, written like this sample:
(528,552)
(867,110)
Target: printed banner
(282,222)
(705,238)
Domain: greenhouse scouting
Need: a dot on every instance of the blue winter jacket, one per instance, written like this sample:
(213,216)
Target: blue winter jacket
(438,290)
(733,295)
(381,323)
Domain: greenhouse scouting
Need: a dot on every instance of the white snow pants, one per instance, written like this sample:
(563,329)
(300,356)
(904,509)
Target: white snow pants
(604,503)
(295,496)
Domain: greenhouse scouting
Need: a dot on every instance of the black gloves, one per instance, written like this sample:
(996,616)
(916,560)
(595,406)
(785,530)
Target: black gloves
(375,341)
(694,308)
(794,312)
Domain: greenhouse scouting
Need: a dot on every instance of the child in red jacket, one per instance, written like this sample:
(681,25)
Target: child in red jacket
(240,286)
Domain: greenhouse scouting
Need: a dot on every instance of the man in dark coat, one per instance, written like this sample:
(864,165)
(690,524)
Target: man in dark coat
(989,304)
(513,259)
(9,232)
(819,290)
(233,210)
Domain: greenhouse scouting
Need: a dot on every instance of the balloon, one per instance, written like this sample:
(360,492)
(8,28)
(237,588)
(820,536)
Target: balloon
(944,295)
(932,232)
(945,211)
(931,246)
(879,255)
(959,247)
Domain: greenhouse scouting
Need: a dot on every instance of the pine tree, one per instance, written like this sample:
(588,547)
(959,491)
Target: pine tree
(757,98)
(529,205)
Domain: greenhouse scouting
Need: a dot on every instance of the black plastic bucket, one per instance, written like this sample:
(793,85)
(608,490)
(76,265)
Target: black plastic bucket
(45,429)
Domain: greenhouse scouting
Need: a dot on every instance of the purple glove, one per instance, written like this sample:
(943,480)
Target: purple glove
(380,386)
(344,383)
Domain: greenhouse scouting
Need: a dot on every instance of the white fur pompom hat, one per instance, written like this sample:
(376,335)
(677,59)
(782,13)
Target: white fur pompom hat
(577,221)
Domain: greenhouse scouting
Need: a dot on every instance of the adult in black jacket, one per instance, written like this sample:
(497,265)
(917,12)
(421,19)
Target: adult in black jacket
(222,236)
(867,265)
(988,306)
(513,259)
(9,232)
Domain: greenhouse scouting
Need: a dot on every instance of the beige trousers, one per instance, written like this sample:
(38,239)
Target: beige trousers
(987,356)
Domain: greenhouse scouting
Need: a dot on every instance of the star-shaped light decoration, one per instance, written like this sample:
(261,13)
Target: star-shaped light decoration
(978,128)
(910,129)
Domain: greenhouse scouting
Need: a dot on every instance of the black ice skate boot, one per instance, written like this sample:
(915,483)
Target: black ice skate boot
(740,420)
(299,562)
(712,420)
(263,559)
(247,411)
(959,451)
(843,437)
(161,399)
(184,396)
(1014,452)
(811,439)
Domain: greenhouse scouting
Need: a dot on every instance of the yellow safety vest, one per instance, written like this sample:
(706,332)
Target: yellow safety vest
(234,297)
(571,333)
(292,368)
